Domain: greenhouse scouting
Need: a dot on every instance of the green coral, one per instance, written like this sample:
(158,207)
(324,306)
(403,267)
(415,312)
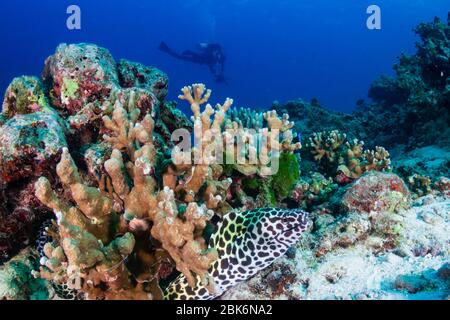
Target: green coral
(251,185)
(288,174)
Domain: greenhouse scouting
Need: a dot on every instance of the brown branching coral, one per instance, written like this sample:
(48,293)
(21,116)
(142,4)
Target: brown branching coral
(285,128)
(325,145)
(129,217)
(344,159)
(182,238)
(88,255)
(203,169)
(135,138)
(95,236)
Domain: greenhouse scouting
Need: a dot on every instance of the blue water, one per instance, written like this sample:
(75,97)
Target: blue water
(276,49)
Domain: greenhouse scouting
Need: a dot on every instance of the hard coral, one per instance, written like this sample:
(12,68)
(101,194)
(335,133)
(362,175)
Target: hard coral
(129,196)
(30,145)
(104,182)
(136,75)
(78,75)
(344,159)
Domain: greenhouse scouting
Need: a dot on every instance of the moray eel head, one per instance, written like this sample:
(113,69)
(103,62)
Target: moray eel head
(246,242)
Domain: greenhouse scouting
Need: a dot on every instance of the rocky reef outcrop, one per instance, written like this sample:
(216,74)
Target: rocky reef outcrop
(414,106)
(411,108)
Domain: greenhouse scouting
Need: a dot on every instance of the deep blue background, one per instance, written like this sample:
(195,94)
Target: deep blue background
(277,49)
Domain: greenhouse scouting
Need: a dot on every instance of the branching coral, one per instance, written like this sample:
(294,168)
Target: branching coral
(346,160)
(246,118)
(203,169)
(258,149)
(183,238)
(87,256)
(326,144)
(252,151)
(96,236)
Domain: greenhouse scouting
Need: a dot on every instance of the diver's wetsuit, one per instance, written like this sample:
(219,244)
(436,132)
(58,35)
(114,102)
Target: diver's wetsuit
(210,54)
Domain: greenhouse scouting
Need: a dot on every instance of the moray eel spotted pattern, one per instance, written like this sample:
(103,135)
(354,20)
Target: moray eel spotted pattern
(62,291)
(247,243)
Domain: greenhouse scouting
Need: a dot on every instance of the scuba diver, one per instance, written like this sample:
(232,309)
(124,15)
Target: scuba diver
(209,54)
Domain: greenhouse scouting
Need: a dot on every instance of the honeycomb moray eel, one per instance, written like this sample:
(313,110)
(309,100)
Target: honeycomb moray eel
(246,243)
(62,291)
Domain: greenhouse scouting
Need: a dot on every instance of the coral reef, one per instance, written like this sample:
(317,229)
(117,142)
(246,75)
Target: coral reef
(311,117)
(82,84)
(93,145)
(413,108)
(129,202)
(29,145)
(344,159)
(24,95)
(360,263)
(87,157)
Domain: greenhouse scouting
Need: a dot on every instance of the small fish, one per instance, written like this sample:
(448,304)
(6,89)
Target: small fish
(247,243)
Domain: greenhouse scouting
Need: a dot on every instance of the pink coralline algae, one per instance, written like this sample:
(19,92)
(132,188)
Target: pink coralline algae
(378,192)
